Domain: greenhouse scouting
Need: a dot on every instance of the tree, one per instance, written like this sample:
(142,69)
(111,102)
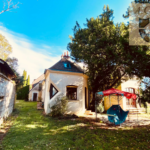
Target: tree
(24,78)
(104,47)
(28,81)
(9,5)
(5,48)
(13,63)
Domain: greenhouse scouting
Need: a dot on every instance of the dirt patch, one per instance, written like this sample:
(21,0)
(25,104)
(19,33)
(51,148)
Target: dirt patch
(103,123)
(4,128)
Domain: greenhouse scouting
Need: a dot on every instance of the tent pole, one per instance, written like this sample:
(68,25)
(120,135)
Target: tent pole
(119,108)
(95,108)
(109,101)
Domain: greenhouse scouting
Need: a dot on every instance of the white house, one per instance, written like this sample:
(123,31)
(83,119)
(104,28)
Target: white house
(36,90)
(66,78)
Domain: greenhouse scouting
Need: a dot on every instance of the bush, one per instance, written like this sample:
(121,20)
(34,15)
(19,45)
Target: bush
(60,107)
(23,93)
(100,108)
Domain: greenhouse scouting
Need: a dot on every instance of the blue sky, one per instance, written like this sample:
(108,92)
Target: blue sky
(43,27)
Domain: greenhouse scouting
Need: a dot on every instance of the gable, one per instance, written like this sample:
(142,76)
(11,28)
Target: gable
(66,65)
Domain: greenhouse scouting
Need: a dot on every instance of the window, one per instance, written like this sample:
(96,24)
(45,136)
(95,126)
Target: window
(130,90)
(72,92)
(53,91)
(67,65)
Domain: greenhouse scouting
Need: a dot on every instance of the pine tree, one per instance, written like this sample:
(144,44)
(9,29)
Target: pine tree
(28,81)
(24,78)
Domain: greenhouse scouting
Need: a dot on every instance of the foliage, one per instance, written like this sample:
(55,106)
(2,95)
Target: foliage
(60,107)
(146,95)
(5,48)
(100,108)
(23,93)
(32,130)
(24,78)
(13,63)
(28,80)
(105,48)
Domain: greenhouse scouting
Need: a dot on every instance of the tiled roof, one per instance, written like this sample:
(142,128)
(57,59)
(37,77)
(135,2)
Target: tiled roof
(6,67)
(60,66)
(40,78)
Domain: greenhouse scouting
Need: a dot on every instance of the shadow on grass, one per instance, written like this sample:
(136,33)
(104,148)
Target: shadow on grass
(31,130)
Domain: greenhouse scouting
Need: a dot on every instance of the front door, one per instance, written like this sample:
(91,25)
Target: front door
(35,97)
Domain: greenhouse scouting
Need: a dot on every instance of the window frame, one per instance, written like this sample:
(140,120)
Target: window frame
(71,87)
(51,91)
(130,90)
(68,65)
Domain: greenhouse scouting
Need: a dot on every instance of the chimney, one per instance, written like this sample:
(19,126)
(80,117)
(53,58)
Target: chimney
(65,56)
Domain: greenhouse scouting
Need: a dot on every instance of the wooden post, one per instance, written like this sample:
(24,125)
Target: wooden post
(95,108)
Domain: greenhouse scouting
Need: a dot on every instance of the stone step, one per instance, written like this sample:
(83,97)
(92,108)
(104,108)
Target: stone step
(137,110)
(88,112)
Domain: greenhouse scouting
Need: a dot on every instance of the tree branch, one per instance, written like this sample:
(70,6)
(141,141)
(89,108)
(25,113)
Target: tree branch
(9,5)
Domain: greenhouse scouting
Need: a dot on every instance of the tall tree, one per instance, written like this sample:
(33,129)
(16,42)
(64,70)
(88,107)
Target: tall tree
(13,63)
(24,78)
(28,81)
(104,47)
(5,48)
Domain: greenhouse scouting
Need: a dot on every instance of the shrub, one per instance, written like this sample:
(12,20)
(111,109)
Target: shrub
(100,108)
(23,93)
(60,107)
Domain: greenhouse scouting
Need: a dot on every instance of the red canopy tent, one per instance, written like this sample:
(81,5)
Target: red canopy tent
(117,92)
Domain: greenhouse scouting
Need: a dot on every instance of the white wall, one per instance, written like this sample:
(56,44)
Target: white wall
(60,81)
(8,89)
(43,91)
(129,84)
(31,93)
(34,90)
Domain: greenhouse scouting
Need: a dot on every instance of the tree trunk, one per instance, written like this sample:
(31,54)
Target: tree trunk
(92,104)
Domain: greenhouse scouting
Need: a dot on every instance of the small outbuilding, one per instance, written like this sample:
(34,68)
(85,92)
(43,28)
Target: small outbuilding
(7,90)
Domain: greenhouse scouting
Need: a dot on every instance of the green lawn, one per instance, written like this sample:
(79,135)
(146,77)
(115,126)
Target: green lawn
(33,131)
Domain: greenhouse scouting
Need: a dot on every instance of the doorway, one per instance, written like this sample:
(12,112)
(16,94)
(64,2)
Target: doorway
(35,97)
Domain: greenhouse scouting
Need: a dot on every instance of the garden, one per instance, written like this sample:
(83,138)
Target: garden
(28,128)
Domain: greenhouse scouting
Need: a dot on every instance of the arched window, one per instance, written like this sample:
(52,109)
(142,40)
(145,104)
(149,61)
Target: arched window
(53,91)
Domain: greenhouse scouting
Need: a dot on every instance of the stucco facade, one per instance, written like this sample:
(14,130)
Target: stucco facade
(61,80)
(37,86)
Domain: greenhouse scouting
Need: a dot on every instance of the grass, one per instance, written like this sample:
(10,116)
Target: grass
(33,131)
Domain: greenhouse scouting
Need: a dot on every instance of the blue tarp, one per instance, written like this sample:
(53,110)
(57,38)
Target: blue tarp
(120,115)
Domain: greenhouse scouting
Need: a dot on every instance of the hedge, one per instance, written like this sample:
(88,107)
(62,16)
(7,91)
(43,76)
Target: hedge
(23,93)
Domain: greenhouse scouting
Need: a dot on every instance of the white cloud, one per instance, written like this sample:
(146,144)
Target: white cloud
(30,57)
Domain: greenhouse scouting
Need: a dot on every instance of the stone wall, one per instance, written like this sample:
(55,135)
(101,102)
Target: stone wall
(7,100)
